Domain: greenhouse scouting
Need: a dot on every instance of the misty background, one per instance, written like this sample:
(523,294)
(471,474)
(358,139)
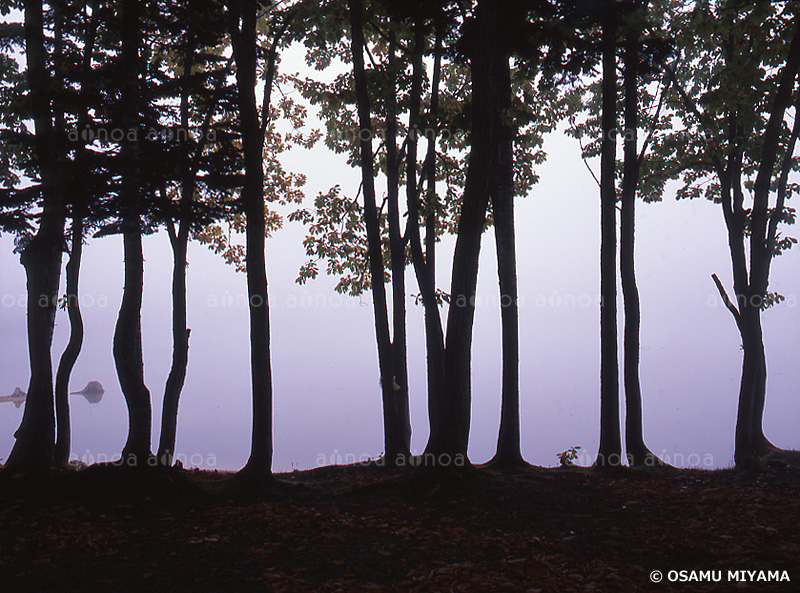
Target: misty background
(325,370)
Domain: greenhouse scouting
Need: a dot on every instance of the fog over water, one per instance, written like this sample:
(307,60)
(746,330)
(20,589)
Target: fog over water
(327,395)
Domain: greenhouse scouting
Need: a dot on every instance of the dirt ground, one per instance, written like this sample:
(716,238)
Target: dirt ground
(366,528)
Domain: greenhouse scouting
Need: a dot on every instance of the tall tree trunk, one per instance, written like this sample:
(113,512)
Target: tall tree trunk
(73,349)
(41,257)
(128,331)
(180,346)
(179,242)
(79,195)
(245,46)
(508,440)
(449,436)
(750,441)
(610,449)
(399,404)
(637,452)
(393,433)
(425,263)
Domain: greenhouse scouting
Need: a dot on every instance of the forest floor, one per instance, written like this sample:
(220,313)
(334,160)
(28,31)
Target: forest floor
(366,528)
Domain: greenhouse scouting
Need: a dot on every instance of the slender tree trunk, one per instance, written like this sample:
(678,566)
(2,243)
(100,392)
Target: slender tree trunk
(610,449)
(508,440)
(79,195)
(41,257)
(637,452)
(128,331)
(399,403)
(128,348)
(73,349)
(180,347)
(259,464)
(179,242)
(449,436)
(425,264)
(393,433)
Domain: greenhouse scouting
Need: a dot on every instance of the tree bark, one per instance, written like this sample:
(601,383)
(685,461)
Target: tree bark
(179,242)
(78,199)
(41,257)
(750,441)
(508,441)
(425,263)
(128,332)
(638,453)
(393,432)
(449,436)
(180,347)
(73,349)
(610,449)
(245,47)
(399,404)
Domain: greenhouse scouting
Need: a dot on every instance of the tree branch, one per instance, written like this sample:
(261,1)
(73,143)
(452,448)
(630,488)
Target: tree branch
(726,299)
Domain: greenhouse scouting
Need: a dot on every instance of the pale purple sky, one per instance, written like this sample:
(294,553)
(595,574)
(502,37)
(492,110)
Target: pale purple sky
(327,397)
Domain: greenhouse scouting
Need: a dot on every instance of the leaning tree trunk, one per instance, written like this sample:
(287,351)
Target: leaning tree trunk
(508,441)
(610,449)
(128,332)
(73,349)
(392,429)
(41,257)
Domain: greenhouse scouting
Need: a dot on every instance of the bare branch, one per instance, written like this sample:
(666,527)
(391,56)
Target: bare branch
(726,299)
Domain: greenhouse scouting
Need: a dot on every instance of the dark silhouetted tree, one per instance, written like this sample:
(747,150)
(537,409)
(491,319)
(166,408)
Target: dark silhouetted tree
(41,254)
(731,144)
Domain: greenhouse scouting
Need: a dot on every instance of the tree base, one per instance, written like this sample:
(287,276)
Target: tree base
(644,458)
(251,476)
(506,462)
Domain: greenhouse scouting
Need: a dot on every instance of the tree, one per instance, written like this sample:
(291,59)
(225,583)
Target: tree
(610,449)
(642,95)
(450,419)
(502,203)
(244,16)
(743,144)
(337,226)
(530,105)
(85,19)
(132,191)
(41,256)
(391,360)
(199,71)
(338,230)
(637,452)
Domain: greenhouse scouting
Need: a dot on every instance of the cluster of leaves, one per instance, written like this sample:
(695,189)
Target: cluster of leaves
(708,75)
(567,458)
(282,187)
(537,107)
(187,126)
